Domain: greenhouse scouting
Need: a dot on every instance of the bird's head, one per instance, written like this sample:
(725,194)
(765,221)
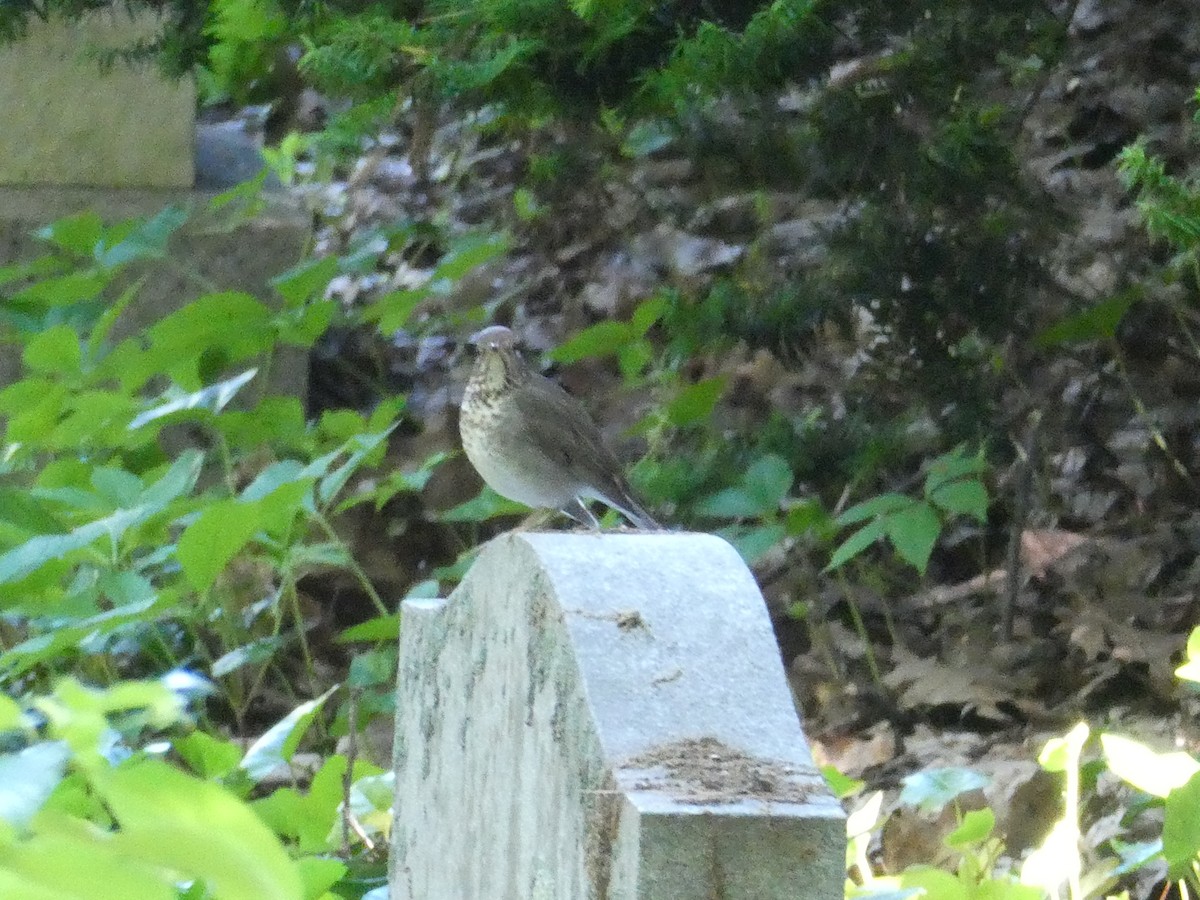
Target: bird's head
(499,361)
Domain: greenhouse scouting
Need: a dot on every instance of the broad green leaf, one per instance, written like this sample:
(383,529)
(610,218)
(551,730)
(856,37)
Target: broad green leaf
(392,311)
(880,505)
(212,398)
(235,323)
(28,777)
(469,253)
(118,487)
(647,313)
(933,883)
(250,654)
(913,532)
(952,466)
(768,481)
(141,238)
(730,503)
(176,482)
(842,785)
(755,541)
(77,234)
(856,544)
(695,402)
(1061,753)
(380,628)
(488,505)
(1181,828)
(11,715)
(61,290)
(1098,322)
(968,498)
(976,826)
(71,859)
(319,874)
(309,817)
(306,280)
(601,339)
(931,790)
(26,558)
(209,757)
(22,509)
(212,540)
(373,667)
(1155,773)
(198,829)
(55,350)
(276,747)
(363,446)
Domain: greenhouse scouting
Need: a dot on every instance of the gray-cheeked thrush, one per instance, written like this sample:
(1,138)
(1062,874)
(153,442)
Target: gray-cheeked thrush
(533,442)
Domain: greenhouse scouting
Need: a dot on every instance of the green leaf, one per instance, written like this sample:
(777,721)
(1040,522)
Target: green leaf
(235,323)
(931,790)
(842,785)
(488,505)
(276,747)
(968,498)
(380,628)
(752,543)
(696,401)
(1181,828)
(177,481)
(469,253)
(209,757)
(392,311)
(140,238)
(55,350)
(881,505)
(68,858)
(211,399)
(857,543)
(730,503)
(934,884)
(197,829)
(913,532)
(27,558)
(20,508)
(1061,753)
(768,481)
(212,540)
(647,313)
(319,875)
(601,339)
(306,280)
(77,234)
(1098,322)
(62,290)
(976,826)
(253,653)
(952,466)
(1155,773)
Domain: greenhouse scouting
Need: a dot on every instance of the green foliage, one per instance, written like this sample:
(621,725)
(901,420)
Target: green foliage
(158,513)
(953,487)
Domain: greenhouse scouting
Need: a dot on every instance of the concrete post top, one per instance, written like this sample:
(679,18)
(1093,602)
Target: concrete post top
(679,658)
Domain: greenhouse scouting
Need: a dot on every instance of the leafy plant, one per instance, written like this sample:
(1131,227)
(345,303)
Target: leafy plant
(912,525)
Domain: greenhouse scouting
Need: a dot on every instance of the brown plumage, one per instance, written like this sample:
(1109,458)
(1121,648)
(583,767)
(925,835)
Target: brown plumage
(533,442)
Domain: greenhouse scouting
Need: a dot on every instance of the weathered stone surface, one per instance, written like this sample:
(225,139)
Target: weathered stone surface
(67,121)
(604,716)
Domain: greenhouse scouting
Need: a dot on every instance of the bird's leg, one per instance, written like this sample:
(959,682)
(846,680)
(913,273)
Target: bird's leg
(581,514)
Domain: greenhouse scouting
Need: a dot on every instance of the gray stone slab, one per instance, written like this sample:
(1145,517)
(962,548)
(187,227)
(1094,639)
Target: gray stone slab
(68,121)
(604,716)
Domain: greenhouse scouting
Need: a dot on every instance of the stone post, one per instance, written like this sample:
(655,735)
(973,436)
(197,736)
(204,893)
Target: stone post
(604,717)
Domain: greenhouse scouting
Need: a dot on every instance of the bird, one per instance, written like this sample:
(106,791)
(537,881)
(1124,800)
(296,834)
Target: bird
(534,443)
